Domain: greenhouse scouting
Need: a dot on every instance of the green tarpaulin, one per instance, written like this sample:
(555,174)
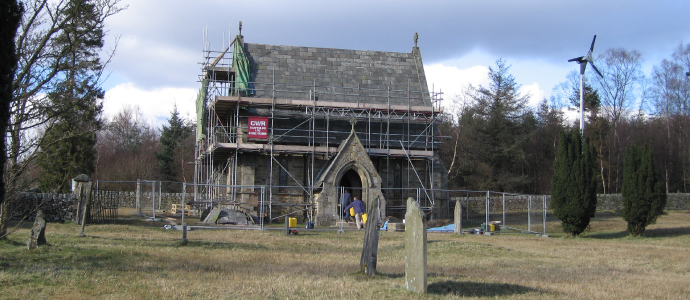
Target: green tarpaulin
(240,63)
(200,110)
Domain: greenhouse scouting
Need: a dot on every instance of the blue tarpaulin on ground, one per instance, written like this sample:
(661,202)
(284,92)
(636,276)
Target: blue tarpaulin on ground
(447,228)
(385,225)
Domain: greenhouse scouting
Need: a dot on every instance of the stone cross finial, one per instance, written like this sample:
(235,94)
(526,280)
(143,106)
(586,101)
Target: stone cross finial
(353,122)
(416,37)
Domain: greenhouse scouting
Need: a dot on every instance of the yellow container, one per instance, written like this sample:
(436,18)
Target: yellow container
(292,222)
(364,218)
(492,227)
(352,211)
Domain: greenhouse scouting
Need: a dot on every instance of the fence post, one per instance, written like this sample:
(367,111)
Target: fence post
(160,195)
(529,213)
(504,210)
(138,196)
(184,194)
(488,203)
(544,218)
(153,200)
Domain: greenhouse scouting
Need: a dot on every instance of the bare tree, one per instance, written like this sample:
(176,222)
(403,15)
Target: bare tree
(127,147)
(40,70)
(619,89)
(671,98)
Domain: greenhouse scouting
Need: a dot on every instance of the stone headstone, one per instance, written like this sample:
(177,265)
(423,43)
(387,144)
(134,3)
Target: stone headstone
(458,218)
(415,248)
(82,191)
(38,232)
(367,262)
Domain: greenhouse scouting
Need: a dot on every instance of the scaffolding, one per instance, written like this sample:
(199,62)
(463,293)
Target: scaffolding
(309,121)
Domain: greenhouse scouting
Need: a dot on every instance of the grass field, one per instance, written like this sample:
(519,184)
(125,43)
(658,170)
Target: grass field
(137,260)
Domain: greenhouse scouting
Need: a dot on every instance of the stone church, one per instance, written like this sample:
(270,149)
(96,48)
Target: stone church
(283,130)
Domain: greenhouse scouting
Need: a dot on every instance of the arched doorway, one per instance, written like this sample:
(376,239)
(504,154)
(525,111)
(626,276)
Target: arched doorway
(350,181)
(353,169)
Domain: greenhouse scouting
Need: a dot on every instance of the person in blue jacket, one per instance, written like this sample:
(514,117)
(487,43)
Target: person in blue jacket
(358,205)
(345,200)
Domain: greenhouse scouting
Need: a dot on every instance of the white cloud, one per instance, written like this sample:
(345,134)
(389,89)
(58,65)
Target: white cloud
(155,104)
(453,81)
(536,93)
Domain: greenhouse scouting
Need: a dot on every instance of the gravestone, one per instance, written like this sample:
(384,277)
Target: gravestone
(458,218)
(38,232)
(415,248)
(83,192)
(82,188)
(367,262)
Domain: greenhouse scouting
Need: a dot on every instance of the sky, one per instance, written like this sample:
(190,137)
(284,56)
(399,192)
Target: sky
(159,42)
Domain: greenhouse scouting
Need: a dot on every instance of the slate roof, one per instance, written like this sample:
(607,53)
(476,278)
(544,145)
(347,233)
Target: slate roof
(338,74)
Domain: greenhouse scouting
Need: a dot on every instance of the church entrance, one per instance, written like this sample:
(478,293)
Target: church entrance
(351,168)
(352,182)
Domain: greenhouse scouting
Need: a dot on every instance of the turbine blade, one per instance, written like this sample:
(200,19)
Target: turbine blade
(595,69)
(577,59)
(591,48)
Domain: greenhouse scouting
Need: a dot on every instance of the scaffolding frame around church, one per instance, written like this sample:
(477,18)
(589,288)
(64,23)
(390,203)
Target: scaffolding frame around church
(209,170)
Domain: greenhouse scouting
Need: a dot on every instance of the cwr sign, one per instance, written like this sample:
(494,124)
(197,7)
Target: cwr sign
(258,128)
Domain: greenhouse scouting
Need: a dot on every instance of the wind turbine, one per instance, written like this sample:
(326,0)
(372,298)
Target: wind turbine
(583,60)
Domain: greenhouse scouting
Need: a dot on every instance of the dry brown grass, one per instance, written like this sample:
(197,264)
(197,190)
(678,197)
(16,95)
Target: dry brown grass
(146,262)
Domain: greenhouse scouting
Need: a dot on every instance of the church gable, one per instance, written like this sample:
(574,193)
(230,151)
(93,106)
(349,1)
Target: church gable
(350,153)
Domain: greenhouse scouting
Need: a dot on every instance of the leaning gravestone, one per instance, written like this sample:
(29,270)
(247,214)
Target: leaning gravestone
(367,262)
(458,218)
(38,232)
(415,248)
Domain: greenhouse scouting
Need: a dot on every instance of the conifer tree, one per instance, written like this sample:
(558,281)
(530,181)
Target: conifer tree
(573,192)
(502,120)
(69,142)
(173,137)
(644,194)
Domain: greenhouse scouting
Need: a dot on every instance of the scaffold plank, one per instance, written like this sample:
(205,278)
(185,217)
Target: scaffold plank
(219,100)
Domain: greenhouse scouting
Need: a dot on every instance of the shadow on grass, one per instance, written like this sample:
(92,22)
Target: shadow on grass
(392,275)
(477,289)
(650,233)
(609,235)
(667,232)
(221,245)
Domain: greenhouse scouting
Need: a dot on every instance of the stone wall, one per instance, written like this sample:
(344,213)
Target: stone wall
(57,207)
(477,205)
(61,207)
(674,201)
(129,199)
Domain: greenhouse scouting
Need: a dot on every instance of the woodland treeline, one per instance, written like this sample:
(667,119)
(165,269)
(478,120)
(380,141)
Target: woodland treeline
(496,142)
(130,148)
